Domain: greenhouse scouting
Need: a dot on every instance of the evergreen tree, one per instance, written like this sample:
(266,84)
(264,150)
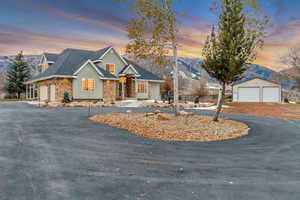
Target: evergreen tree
(17,73)
(229,48)
(66,98)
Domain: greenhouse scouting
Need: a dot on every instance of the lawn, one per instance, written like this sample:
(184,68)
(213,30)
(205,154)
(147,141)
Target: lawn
(275,110)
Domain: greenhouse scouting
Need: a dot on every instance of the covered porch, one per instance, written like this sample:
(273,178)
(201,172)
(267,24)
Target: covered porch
(31,92)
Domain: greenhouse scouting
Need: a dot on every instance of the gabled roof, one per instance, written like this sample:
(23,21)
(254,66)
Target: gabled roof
(249,79)
(98,54)
(144,74)
(71,60)
(51,57)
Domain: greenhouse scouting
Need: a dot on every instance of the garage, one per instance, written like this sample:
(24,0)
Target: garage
(256,90)
(52,92)
(248,94)
(44,93)
(271,94)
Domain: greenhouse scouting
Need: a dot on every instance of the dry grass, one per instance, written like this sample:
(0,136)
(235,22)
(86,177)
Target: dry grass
(275,110)
(169,127)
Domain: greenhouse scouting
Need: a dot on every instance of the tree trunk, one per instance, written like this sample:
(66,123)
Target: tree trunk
(175,78)
(175,67)
(220,103)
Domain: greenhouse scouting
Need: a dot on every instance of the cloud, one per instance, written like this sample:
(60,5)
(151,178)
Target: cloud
(89,16)
(13,39)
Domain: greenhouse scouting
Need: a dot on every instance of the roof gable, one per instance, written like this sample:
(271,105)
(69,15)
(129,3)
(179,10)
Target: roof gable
(70,61)
(144,74)
(252,79)
(51,57)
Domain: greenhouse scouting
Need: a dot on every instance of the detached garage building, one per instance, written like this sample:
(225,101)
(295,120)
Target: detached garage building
(256,90)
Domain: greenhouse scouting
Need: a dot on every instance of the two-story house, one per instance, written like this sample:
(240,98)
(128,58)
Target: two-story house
(92,75)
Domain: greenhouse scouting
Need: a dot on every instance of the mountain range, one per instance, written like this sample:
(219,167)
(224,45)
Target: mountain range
(189,69)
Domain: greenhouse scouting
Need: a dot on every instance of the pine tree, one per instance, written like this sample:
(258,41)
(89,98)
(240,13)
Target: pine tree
(229,48)
(17,73)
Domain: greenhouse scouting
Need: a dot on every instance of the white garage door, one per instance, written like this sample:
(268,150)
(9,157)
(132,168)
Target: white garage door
(44,93)
(52,92)
(248,95)
(271,94)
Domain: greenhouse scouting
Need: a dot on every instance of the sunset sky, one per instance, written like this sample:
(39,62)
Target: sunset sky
(37,26)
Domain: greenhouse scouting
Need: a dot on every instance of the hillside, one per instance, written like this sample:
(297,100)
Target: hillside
(189,69)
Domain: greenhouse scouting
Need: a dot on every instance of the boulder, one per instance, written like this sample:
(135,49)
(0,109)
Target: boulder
(157,112)
(163,117)
(149,114)
(185,113)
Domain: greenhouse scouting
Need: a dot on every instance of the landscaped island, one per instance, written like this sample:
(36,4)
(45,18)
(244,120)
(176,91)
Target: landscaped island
(163,126)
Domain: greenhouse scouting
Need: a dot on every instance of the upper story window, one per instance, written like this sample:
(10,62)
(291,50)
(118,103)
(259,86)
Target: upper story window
(111,68)
(44,67)
(88,84)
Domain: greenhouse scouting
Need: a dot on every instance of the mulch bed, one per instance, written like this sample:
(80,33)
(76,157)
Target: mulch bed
(275,110)
(168,127)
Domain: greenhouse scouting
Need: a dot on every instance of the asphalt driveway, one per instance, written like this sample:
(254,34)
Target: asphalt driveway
(57,154)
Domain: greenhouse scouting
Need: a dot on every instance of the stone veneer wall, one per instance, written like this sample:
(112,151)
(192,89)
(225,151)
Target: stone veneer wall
(133,90)
(61,85)
(109,90)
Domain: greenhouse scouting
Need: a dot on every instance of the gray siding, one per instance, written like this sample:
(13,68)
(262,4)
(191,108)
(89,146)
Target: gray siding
(256,83)
(154,90)
(88,72)
(112,58)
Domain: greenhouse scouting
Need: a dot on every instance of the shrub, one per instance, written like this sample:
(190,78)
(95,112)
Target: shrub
(66,98)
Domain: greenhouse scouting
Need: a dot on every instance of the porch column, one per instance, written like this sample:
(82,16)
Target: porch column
(30,92)
(26,91)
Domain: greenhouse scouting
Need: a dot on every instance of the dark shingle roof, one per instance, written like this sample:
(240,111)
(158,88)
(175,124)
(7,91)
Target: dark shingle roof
(105,73)
(249,79)
(145,75)
(96,55)
(51,57)
(70,60)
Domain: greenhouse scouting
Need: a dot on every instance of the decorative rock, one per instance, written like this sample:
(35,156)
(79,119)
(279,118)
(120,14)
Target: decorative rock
(162,117)
(157,112)
(150,114)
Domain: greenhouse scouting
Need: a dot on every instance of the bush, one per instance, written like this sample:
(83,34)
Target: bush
(286,100)
(66,98)
(197,100)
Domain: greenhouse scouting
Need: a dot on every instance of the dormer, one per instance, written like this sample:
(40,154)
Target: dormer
(47,60)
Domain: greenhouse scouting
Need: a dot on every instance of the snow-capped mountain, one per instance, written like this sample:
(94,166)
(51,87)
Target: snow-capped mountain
(189,69)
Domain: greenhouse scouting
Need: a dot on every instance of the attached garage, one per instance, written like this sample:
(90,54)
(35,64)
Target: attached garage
(44,93)
(52,92)
(256,90)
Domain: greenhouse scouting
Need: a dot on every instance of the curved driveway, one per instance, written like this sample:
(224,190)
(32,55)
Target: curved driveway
(57,153)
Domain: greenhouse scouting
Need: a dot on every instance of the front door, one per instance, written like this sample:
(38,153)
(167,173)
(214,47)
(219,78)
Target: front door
(129,87)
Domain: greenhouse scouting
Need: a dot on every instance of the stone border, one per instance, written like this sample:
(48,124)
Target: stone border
(160,126)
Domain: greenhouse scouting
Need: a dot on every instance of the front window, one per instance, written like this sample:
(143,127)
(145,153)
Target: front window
(142,87)
(88,84)
(44,67)
(111,68)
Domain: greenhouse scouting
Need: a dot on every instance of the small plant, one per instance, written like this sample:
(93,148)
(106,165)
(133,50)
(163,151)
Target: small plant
(66,98)
(286,100)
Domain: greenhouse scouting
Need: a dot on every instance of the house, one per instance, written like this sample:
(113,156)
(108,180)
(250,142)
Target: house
(256,90)
(92,75)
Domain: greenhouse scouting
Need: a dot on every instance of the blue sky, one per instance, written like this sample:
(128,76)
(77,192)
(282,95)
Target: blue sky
(37,26)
